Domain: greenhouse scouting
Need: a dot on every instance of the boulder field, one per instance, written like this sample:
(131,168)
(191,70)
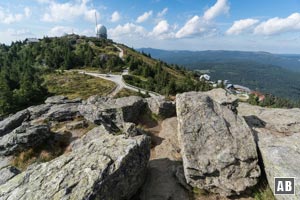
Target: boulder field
(225,147)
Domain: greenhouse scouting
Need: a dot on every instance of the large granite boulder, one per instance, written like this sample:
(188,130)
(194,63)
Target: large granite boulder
(277,134)
(224,98)
(161,107)
(112,112)
(12,122)
(23,137)
(110,167)
(218,148)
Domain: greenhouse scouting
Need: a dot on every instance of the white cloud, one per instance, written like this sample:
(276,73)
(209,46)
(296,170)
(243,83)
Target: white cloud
(60,30)
(9,35)
(162,30)
(69,11)
(192,27)
(198,25)
(19,32)
(242,26)
(221,7)
(115,16)
(144,16)
(44,1)
(279,25)
(128,30)
(27,12)
(161,27)
(6,17)
(163,12)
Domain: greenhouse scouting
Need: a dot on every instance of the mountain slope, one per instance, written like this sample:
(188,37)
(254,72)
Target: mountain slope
(23,66)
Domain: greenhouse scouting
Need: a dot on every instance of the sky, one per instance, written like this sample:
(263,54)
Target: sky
(247,25)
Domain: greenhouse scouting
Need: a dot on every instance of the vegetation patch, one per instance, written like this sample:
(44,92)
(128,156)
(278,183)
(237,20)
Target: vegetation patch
(263,191)
(74,85)
(126,93)
(43,153)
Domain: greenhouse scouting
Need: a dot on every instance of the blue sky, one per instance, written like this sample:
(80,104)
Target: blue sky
(249,25)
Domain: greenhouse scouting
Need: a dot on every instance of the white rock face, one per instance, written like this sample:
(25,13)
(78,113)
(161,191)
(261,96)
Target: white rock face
(218,148)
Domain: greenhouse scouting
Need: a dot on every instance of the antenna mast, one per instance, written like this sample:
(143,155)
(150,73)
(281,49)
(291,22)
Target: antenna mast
(96,19)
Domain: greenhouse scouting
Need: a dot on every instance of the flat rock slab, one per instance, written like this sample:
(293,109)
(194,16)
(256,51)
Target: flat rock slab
(277,134)
(217,146)
(12,122)
(111,167)
(281,158)
(276,120)
(23,138)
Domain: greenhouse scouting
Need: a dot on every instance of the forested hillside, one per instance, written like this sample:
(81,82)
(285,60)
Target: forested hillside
(23,67)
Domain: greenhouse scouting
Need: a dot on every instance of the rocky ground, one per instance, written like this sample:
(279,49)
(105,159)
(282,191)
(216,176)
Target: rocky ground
(214,148)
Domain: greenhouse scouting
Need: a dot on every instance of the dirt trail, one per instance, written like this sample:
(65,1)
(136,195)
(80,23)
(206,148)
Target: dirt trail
(161,183)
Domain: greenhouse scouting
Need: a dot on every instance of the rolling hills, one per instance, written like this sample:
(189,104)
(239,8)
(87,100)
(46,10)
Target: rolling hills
(265,72)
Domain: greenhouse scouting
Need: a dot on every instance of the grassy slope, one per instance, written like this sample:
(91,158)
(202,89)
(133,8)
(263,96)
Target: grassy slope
(73,85)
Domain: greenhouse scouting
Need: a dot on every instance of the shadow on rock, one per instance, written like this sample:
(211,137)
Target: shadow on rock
(161,182)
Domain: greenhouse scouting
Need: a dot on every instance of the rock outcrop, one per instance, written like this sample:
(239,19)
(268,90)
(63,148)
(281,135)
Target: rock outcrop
(23,137)
(218,148)
(111,167)
(12,122)
(281,158)
(161,107)
(277,133)
(277,121)
(8,173)
(62,112)
(112,112)
(61,100)
(38,111)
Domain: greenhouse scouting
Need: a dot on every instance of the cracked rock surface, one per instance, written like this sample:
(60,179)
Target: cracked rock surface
(110,167)
(217,146)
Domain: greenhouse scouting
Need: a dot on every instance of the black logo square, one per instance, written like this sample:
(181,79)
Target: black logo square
(284,186)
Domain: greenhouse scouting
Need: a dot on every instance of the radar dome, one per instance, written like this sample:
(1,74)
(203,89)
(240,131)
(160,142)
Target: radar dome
(101,31)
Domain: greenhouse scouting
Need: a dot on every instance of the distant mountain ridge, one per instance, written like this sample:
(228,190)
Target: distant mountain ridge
(192,58)
(262,71)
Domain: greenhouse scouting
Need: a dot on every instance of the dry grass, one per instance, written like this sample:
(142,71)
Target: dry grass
(43,153)
(74,85)
(126,93)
